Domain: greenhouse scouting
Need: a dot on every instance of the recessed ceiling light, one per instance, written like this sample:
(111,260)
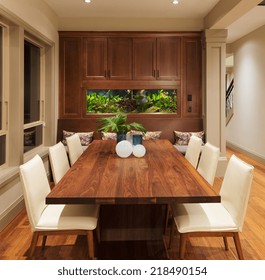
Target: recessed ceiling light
(87,1)
(175,2)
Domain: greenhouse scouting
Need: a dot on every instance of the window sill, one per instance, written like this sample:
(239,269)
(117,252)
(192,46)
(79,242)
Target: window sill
(42,151)
(7,174)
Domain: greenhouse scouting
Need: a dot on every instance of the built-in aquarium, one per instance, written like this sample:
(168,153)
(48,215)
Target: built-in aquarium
(131,101)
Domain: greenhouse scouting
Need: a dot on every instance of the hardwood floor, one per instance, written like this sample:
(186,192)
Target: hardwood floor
(16,237)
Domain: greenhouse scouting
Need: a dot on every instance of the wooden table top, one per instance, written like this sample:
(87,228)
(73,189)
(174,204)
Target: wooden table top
(163,175)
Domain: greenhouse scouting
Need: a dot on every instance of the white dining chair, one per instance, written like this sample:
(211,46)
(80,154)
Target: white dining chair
(193,150)
(208,162)
(74,148)
(53,219)
(59,161)
(224,219)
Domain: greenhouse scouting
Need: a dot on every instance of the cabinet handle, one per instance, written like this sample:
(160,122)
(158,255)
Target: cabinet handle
(105,73)
(154,73)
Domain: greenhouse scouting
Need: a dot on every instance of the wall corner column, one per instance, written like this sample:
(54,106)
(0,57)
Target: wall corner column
(214,92)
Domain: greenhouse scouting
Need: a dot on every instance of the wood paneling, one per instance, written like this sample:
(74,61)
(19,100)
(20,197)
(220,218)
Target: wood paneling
(131,60)
(191,79)
(166,124)
(70,77)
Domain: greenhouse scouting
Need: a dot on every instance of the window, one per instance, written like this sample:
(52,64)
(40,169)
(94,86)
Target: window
(132,101)
(2,126)
(33,123)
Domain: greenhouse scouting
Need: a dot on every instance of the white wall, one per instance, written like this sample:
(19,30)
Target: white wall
(35,14)
(246,128)
(36,18)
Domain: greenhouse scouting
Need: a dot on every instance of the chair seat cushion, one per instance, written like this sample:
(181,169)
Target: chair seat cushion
(69,217)
(202,217)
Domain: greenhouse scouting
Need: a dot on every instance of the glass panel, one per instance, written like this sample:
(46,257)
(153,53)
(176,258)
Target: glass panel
(131,101)
(31,83)
(32,138)
(2,149)
(1,77)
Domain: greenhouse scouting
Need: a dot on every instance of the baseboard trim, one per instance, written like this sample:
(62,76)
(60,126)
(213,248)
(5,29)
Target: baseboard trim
(245,151)
(9,214)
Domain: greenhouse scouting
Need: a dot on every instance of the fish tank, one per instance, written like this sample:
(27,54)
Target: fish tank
(131,101)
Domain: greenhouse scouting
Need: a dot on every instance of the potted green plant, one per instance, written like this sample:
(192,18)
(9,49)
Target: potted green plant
(117,123)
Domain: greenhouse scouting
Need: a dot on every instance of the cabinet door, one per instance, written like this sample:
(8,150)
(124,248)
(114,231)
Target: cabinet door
(95,58)
(70,71)
(168,58)
(191,85)
(144,58)
(120,58)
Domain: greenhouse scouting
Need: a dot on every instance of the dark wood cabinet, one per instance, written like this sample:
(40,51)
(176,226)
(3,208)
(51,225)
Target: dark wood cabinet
(168,58)
(144,58)
(70,77)
(129,60)
(120,58)
(157,58)
(95,58)
(191,79)
(107,58)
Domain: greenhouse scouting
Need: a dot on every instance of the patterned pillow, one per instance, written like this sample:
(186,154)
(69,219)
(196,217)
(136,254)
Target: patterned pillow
(108,135)
(148,135)
(183,138)
(85,137)
(152,135)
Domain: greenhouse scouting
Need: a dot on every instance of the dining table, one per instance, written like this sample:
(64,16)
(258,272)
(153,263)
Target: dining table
(162,176)
(134,193)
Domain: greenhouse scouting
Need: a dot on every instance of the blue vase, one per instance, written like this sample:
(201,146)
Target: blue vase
(121,136)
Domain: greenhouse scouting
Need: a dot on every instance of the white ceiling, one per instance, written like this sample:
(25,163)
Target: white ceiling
(132,8)
(186,9)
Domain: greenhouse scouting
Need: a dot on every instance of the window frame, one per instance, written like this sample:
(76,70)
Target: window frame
(5,101)
(41,121)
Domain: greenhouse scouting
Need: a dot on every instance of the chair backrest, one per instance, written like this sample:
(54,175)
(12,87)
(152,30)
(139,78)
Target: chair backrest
(59,161)
(193,150)
(208,162)
(74,148)
(235,189)
(36,187)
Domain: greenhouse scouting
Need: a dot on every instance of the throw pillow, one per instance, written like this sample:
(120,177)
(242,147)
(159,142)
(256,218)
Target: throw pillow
(152,135)
(148,135)
(108,135)
(183,138)
(85,137)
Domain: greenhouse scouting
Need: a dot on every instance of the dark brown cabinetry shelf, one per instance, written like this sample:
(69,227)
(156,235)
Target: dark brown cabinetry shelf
(129,60)
(156,58)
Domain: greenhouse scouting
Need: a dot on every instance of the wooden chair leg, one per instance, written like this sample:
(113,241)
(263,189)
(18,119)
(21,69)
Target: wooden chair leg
(90,241)
(238,245)
(171,235)
(33,245)
(226,243)
(182,245)
(166,218)
(44,238)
